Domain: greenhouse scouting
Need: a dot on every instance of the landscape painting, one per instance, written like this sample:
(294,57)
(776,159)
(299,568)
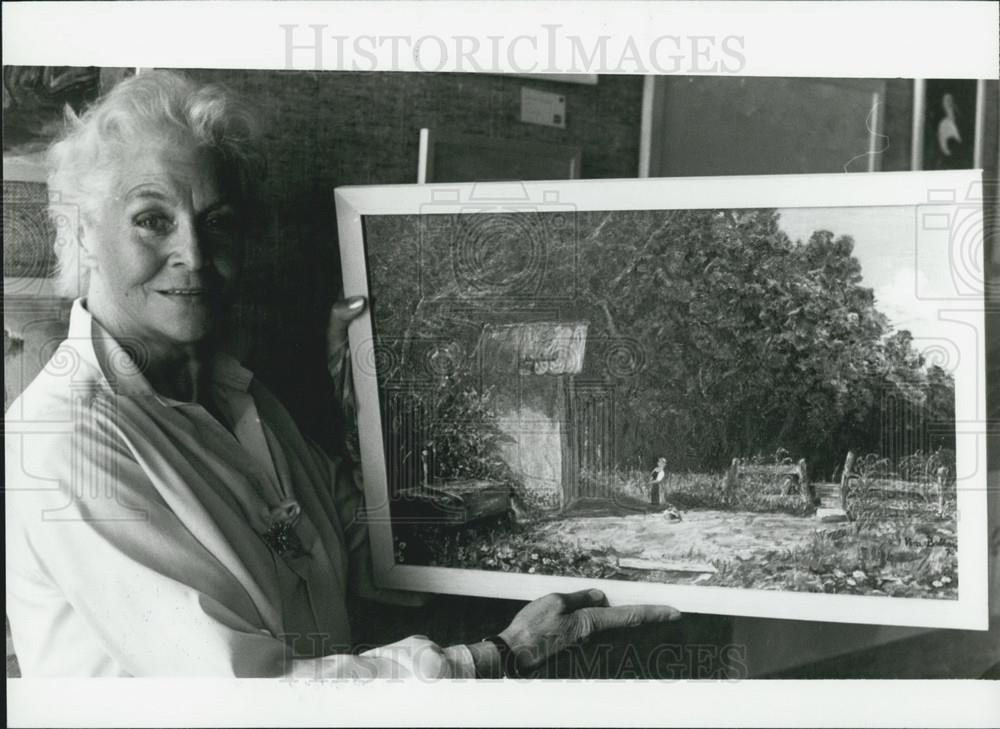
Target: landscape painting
(754,398)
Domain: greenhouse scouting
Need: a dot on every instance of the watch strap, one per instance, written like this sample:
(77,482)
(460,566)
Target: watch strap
(508,660)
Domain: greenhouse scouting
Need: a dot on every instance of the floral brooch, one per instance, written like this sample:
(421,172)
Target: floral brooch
(280,534)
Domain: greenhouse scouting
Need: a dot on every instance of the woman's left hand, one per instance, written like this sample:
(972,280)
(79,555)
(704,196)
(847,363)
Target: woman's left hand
(549,624)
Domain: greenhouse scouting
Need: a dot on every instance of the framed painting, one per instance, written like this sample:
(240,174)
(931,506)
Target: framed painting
(467,158)
(948,124)
(736,395)
(727,125)
(35,316)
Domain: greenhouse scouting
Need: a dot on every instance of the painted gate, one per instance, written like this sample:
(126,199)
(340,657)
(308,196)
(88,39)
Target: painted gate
(589,454)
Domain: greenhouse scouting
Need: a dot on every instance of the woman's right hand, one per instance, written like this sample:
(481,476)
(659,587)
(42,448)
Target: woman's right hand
(554,622)
(338,364)
(338,351)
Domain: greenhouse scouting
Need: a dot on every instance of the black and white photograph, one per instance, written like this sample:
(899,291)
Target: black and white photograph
(518,363)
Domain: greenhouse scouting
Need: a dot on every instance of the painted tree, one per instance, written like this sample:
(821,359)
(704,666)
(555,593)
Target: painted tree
(736,339)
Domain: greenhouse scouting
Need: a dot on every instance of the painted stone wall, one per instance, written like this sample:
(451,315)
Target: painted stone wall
(535,452)
(526,365)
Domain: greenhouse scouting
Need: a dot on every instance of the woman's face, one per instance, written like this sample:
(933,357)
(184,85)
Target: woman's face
(164,249)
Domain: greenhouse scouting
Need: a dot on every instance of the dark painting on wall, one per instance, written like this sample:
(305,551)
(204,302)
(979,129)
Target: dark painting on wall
(35,97)
(949,124)
(716,125)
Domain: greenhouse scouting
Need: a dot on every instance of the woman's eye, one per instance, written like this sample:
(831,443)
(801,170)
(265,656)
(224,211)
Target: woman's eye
(154,222)
(222,223)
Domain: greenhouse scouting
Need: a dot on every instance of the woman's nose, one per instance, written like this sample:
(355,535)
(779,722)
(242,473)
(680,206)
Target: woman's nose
(187,247)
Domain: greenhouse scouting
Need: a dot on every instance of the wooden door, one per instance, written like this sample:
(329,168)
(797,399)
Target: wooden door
(589,457)
(406,429)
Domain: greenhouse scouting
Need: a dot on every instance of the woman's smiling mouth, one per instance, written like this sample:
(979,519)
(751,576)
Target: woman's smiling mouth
(183,292)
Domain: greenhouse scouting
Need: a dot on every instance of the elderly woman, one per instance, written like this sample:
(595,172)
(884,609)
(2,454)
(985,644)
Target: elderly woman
(164,514)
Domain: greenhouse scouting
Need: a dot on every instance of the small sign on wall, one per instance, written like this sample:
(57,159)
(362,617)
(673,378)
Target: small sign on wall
(541,107)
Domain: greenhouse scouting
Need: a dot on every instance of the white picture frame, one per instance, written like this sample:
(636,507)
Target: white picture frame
(933,196)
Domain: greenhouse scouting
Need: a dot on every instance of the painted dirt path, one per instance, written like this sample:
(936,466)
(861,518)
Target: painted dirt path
(701,536)
(754,549)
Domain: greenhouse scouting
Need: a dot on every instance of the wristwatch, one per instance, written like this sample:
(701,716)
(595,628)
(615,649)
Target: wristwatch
(508,660)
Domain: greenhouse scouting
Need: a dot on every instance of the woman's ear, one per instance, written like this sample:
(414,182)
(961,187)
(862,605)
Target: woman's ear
(86,238)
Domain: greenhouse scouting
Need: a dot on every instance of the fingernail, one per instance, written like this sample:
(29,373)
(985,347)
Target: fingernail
(596,595)
(355,302)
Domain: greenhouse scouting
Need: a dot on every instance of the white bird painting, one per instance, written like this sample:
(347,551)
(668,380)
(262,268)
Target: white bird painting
(948,126)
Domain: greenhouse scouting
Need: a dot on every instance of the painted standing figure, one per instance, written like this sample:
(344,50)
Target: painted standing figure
(658,475)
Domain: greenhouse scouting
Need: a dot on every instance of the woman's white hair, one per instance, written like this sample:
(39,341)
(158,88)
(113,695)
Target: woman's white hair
(152,105)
